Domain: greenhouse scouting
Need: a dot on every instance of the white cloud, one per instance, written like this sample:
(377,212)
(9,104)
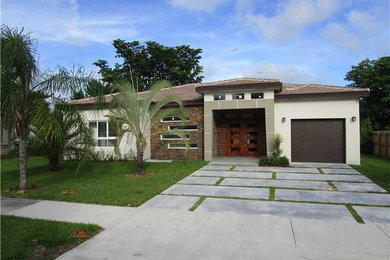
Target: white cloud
(360,32)
(294,16)
(198,5)
(60,21)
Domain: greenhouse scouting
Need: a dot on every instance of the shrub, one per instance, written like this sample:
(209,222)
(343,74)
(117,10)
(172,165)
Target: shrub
(277,140)
(274,161)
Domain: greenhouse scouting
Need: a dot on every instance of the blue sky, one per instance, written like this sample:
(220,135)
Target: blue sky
(297,41)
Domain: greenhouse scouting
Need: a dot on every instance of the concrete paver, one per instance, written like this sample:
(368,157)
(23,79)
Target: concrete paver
(233,174)
(316,185)
(215,168)
(321,165)
(322,177)
(199,180)
(275,169)
(243,161)
(170,202)
(340,171)
(292,209)
(350,186)
(374,214)
(333,197)
(218,191)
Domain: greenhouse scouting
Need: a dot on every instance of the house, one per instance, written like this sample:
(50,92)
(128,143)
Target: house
(239,117)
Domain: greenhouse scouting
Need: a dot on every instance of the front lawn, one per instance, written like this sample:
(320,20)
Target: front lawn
(376,168)
(97,182)
(24,238)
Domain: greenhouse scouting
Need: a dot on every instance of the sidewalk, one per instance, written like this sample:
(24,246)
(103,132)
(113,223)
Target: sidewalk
(141,233)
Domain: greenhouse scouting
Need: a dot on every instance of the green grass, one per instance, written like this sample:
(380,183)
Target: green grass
(24,238)
(272,193)
(354,214)
(376,168)
(197,204)
(97,182)
(219,181)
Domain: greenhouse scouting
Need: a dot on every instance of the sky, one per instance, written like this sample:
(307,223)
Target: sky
(296,41)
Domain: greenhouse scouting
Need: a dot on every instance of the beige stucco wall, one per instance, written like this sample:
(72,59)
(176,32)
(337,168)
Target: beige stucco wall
(126,147)
(311,109)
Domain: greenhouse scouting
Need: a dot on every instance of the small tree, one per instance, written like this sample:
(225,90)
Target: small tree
(136,115)
(277,140)
(61,131)
(366,130)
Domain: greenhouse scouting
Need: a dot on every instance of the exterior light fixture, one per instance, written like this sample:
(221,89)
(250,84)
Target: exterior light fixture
(353,118)
(283,119)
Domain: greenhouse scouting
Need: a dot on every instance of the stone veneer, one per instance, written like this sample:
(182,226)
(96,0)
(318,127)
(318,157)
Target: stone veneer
(159,148)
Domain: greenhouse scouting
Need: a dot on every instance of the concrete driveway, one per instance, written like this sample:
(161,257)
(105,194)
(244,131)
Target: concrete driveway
(238,211)
(306,190)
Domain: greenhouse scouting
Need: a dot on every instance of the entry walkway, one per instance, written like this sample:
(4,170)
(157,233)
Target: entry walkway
(306,190)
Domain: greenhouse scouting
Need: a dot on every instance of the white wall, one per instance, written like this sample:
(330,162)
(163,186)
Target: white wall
(300,109)
(127,146)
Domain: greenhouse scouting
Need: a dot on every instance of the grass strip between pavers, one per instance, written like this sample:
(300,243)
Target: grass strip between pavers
(331,184)
(354,214)
(272,194)
(320,170)
(274,175)
(232,168)
(219,181)
(196,205)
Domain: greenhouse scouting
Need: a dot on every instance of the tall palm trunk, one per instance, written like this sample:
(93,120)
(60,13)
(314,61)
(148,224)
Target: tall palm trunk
(23,156)
(10,140)
(140,159)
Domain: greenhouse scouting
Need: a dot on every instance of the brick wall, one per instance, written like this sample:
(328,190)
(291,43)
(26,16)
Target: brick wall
(159,148)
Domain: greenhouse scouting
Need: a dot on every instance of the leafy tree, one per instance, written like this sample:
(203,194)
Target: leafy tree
(151,62)
(95,88)
(23,83)
(136,116)
(375,75)
(366,136)
(61,131)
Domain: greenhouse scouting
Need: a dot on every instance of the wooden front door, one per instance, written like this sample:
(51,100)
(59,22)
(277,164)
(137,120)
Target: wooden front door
(242,138)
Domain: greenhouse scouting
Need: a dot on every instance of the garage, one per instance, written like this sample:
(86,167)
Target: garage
(318,140)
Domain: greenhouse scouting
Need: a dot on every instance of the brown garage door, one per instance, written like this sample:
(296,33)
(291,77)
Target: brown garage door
(318,140)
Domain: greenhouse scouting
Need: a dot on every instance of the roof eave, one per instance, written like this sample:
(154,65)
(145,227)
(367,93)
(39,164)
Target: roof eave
(240,87)
(356,94)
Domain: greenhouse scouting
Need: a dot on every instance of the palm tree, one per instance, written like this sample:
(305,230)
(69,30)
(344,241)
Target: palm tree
(60,132)
(23,83)
(135,114)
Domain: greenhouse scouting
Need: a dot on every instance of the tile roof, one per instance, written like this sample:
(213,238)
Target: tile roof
(188,91)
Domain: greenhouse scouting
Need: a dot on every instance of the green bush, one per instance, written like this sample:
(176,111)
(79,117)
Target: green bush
(277,140)
(274,161)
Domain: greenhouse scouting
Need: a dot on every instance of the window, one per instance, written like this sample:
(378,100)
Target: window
(238,96)
(173,137)
(219,97)
(174,119)
(257,95)
(182,146)
(183,128)
(103,133)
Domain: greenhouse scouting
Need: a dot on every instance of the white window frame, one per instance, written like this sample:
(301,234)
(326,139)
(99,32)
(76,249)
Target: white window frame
(169,128)
(96,135)
(182,148)
(178,138)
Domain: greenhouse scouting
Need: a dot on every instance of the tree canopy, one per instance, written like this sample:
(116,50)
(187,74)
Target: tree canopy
(151,62)
(375,75)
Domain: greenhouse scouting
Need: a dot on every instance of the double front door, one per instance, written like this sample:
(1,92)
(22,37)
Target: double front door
(242,138)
